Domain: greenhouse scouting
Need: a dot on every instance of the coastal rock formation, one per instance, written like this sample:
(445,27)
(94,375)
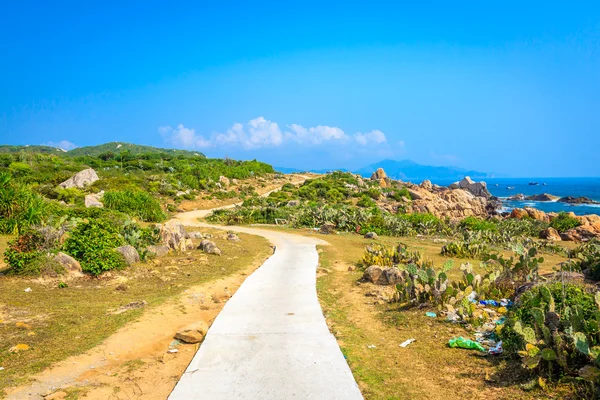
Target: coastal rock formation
(379,174)
(447,203)
(551,234)
(528,212)
(542,197)
(517,197)
(80,179)
(476,188)
(426,184)
(577,200)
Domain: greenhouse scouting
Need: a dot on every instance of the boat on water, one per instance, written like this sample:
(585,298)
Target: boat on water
(534,183)
(510,187)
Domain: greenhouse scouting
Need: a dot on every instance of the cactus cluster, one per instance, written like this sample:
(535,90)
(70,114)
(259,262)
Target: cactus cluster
(561,339)
(390,256)
(422,283)
(465,249)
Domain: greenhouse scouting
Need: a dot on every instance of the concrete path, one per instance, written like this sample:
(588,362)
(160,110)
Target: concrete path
(270,341)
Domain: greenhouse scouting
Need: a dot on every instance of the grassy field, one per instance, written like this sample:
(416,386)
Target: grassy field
(56,323)
(426,369)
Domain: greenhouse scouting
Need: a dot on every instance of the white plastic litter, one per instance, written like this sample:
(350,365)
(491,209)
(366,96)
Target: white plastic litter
(171,351)
(407,342)
(28,290)
(371,346)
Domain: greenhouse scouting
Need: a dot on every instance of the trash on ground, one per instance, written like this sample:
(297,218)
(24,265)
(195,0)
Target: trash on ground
(28,290)
(371,346)
(452,316)
(173,351)
(497,349)
(431,314)
(407,342)
(492,303)
(1,368)
(500,321)
(463,343)
(472,296)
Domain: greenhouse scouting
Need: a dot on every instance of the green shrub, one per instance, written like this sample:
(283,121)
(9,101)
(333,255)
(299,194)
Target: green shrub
(465,249)
(22,251)
(563,222)
(93,244)
(366,201)
(20,207)
(476,224)
(401,194)
(135,203)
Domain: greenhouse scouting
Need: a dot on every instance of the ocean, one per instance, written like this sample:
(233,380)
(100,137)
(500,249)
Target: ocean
(576,187)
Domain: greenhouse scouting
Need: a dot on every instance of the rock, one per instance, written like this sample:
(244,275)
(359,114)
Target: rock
(190,336)
(577,200)
(293,203)
(327,229)
(371,235)
(56,396)
(80,179)
(550,234)
(528,212)
(426,184)
(224,181)
(159,250)
(234,181)
(372,274)
(93,200)
(378,175)
(517,197)
(571,236)
(385,276)
(477,188)
(209,247)
(174,235)
(233,237)
(582,233)
(196,235)
(453,204)
(360,181)
(414,195)
(542,197)
(130,254)
(71,265)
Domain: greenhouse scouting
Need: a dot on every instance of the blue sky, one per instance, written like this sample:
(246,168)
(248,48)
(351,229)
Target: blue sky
(500,87)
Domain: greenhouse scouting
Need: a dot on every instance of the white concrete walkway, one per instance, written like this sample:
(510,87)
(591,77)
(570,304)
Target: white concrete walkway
(270,341)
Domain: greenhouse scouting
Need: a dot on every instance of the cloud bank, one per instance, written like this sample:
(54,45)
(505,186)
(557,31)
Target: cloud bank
(263,133)
(63,144)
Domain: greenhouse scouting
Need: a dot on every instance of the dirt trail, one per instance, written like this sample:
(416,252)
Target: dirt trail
(134,363)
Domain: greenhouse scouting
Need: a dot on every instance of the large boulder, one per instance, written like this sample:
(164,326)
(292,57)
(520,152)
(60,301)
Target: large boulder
(159,250)
(233,237)
(130,254)
(426,184)
(577,200)
(209,247)
(174,235)
(327,229)
(371,235)
(517,197)
(528,212)
(71,265)
(453,204)
(551,234)
(477,188)
(80,179)
(542,197)
(378,175)
(93,200)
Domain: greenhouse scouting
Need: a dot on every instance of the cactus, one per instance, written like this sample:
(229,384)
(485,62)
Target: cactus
(581,343)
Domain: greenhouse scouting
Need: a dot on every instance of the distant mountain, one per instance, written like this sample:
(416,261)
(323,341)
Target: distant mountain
(405,170)
(119,147)
(410,170)
(30,149)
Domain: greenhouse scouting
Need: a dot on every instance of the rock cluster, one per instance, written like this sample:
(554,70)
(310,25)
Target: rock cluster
(447,203)
(382,276)
(130,254)
(80,179)
(209,247)
(381,177)
(173,234)
(476,188)
(589,228)
(94,200)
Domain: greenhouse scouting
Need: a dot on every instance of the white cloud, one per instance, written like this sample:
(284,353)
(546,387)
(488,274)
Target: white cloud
(315,135)
(258,132)
(183,137)
(373,137)
(63,144)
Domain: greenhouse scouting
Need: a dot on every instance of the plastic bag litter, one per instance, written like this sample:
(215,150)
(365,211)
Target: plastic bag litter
(497,349)
(431,314)
(407,342)
(463,343)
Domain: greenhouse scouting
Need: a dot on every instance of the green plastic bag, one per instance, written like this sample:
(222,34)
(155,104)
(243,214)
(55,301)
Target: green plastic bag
(465,344)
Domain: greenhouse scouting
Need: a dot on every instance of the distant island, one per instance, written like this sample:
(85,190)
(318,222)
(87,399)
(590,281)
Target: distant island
(403,170)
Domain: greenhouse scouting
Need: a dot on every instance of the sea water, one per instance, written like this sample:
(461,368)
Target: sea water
(504,188)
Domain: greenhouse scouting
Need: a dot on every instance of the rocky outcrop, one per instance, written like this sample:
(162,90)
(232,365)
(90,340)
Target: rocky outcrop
(224,181)
(81,179)
(528,212)
(517,197)
(173,234)
(382,276)
(379,174)
(550,234)
(426,184)
(476,188)
(130,254)
(71,265)
(93,200)
(577,200)
(542,197)
(447,203)
(209,247)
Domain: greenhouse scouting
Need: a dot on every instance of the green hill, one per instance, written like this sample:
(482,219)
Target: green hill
(5,148)
(119,147)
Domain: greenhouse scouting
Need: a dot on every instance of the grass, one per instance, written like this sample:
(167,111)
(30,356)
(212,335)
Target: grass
(69,321)
(426,369)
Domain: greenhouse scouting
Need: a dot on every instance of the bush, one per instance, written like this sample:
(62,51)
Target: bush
(465,249)
(22,251)
(366,202)
(401,194)
(135,203)
(476,224)
(93,244)
(563,222)
(19,206)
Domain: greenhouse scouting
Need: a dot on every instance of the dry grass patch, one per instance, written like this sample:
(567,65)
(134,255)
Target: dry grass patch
(68,321)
